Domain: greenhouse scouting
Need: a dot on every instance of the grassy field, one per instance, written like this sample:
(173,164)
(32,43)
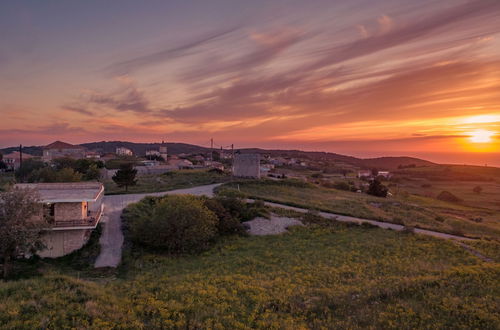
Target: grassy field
(168,181)
(313,277)
(407,209)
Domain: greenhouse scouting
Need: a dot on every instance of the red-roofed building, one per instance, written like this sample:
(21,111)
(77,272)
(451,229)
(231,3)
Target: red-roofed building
(13,160)
(60,149)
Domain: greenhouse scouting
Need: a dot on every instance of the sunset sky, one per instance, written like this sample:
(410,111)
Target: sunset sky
(358,77)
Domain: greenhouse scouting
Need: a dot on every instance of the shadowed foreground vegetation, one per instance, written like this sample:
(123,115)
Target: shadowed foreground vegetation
(333,276)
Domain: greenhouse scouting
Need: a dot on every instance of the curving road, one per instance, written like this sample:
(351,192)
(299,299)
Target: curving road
(112,237)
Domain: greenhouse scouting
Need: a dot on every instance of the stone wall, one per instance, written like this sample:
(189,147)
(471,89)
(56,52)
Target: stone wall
(62,242)
(246,165)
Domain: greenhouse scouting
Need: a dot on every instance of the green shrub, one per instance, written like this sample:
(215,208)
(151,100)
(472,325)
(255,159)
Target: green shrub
(176,224)
(447,196)
(341,185)
(242,210)
(228,224)
(376,188)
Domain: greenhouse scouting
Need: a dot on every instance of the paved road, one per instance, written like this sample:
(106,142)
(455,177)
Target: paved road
(112,237)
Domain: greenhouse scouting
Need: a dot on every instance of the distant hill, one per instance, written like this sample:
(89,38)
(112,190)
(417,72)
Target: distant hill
(141,148)
(392,163)
(388,163)
(32,150)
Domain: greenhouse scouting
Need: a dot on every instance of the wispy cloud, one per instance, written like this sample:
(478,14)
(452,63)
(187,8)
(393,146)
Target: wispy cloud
(448,20)
(78,109)
(131,65)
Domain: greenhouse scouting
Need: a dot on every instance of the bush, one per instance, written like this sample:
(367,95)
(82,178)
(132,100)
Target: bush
(341,185)
(447,196)
(440,218)
(228,224)
(243,211)
(176,224)
(377,189)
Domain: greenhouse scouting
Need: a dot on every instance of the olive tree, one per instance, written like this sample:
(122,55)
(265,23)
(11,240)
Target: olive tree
(20,234)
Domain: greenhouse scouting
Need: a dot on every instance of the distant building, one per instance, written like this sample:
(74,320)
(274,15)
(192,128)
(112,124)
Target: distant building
(246,165)
(60,149)
(266,167)
(278,161)
(385,174)
(163,150)
(214,164)
(181,163)
(13,160)
(152,153)
(107,157)
(122,151)
(92,155)
(364,174)
(72,210)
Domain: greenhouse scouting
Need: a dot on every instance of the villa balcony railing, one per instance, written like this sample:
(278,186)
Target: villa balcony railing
(90,221)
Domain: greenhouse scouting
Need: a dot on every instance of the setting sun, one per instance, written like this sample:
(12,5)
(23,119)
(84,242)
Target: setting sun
(481,136)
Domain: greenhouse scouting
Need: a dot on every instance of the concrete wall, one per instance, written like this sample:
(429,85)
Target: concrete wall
(68,211)
(62,242)
(246,165)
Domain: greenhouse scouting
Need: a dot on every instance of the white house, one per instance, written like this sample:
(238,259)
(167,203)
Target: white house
(122,151)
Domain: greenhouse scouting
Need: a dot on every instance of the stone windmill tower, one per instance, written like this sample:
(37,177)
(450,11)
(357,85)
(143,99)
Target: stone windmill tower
(163,150)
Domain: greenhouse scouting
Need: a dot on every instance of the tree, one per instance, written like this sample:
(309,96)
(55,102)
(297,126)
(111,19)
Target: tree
(19,233)
(64,162)
(93,173)
(28,166)
(477,189)
(125,176)
(376,188)
(68,175)
(44,174)
(3,166)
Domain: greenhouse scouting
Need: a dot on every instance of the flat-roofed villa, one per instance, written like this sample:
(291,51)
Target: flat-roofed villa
(72,210)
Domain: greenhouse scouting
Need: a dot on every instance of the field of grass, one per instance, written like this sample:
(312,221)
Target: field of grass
(313,277)
(168,181)
(406,209)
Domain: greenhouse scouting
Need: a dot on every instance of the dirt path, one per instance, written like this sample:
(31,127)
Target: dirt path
(111,239)
(385,225)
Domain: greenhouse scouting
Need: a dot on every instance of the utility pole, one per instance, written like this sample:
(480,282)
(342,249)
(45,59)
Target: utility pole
(211,149)
(20,155)
(20,161)
(232,159)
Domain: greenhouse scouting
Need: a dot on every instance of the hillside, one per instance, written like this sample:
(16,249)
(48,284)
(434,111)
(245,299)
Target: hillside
(140,148)
(389,163)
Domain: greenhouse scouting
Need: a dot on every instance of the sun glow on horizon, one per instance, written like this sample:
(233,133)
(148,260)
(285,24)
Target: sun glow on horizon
(481,136)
